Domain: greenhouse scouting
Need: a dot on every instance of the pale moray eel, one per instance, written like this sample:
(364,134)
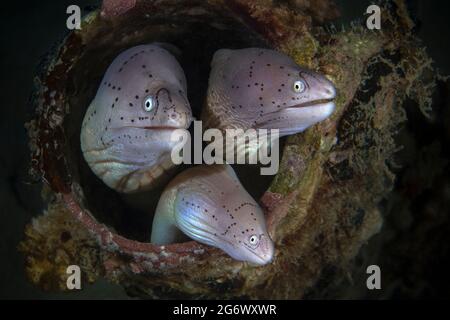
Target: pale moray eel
(209,204)
(125,135)
(265,89)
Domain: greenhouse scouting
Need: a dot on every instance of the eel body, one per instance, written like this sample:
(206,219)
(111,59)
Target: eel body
(257,88)
(208,204)
(126,131)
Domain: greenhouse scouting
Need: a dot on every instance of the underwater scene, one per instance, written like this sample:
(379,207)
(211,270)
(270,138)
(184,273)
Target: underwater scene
(238,150)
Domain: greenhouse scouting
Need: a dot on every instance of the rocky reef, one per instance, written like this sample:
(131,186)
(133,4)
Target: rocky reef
(322,207)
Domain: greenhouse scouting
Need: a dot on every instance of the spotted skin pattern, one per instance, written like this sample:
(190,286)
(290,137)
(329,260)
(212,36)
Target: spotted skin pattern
(125,134)
(265,89)
(209,204)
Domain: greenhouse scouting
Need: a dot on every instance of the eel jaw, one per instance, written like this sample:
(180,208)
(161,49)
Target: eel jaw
(155,128)
(319,103)
(262,256)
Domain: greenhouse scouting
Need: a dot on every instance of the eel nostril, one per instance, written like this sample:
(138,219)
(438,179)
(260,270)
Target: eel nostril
(330,92)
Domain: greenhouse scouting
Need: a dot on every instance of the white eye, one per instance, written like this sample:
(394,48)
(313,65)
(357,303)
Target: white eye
(254,240)
(148,104)
(299,86)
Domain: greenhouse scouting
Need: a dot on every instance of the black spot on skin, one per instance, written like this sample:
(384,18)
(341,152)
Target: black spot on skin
(137,97)
(132,120)
(130,104)
(146,90)
(121,118)
(143,66)
(117,99)
(150,75)
(112,106)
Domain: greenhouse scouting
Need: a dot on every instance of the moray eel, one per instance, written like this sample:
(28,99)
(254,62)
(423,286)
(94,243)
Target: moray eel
(265,89)
(126,131)
(209,205)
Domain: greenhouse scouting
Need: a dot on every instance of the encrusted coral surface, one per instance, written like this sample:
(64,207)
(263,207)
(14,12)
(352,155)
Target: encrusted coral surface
(321,207)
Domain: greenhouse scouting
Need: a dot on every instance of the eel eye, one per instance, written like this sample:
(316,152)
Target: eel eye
(299,86)
(254,240)
(148,103)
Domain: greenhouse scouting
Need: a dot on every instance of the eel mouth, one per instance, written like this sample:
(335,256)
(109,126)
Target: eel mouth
(162,128)
(157,128)
(319,102)
(263,258)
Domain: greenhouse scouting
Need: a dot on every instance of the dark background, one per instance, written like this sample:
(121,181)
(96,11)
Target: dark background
(28,31)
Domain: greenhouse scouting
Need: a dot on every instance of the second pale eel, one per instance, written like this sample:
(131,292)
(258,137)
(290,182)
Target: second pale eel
(258,88)
(209,205)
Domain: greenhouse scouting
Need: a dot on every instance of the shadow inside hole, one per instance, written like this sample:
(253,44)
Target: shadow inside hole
(131,215)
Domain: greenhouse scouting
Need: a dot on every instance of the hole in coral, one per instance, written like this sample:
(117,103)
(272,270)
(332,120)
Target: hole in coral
(131,215)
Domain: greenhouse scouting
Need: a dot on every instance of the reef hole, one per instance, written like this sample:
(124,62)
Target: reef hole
(197,37)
